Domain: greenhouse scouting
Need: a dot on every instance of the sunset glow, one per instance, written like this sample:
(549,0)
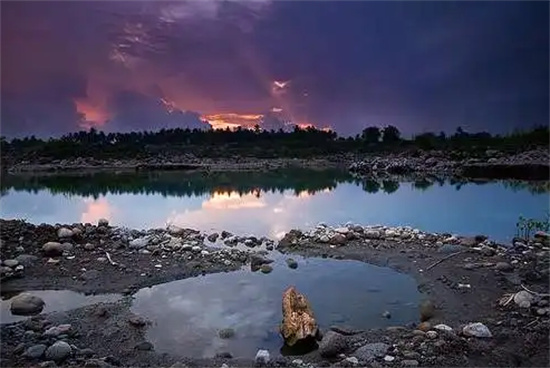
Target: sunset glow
(95,210)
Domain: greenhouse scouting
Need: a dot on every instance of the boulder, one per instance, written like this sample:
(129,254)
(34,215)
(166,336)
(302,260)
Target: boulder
(26,304)
(524,299)
(102,222)
(332,344)
(338,239)
(477,330)
(53,249)
(370,352)
(58,351)
(298,320)
(64,233)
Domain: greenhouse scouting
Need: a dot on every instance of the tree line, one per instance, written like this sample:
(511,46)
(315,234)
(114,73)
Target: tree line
(259,143)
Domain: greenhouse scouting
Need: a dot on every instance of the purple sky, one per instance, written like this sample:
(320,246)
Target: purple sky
(127,65)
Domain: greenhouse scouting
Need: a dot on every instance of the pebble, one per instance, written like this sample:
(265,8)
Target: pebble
(52,249)
(410,363)
(389,358)
(292,263)
(370,352)
(443,327)
(58,351)
(35,351)
(524,299)
(144,345)
(89,246)
(543,311)
(262,357)
(57,330)
(64,233)
(11,263)
(265,268)
(477,330)
(431,335)
(353,360)
(137,321)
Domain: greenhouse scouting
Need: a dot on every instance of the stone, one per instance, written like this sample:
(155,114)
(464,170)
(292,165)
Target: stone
(524,299)
(370,352)
(333,344)
(298,320)
(262,357)
(87,352)
(477,330)
(174,230)
(372,234)
(431,335)
(389,358)
(35,351)
(226,333)
(57,330)
(469,242)
(47,364)
(96,363)
(212,237)
(427,310)
(504,267)
(443,327)
(352,360)
(409,363)
(26,304)
(337,239)
(64,233)
(59,351)
(487,251)
(11,263)
(386,314)
(291,263)
(265,268)
(26,259)
(89,246)
(52,249)
(256,261)
(450,248)
(342,230)
(102,222)
(543,311)
(139,243)
(144,346)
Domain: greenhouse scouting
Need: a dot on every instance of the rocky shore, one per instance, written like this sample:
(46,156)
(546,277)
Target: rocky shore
(485,303)
(491,164)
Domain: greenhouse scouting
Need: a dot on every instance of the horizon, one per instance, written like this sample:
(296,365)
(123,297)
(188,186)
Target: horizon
(344,66)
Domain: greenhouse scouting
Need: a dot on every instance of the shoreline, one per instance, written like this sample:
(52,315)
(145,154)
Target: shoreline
(492,270)
(491,164)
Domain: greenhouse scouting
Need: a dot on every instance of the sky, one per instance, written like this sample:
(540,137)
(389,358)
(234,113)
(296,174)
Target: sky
(147,65)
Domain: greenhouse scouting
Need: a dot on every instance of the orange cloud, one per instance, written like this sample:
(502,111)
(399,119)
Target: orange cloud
(232,120)
(93,114)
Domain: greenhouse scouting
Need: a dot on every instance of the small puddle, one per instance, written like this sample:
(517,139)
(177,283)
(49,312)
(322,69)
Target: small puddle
(55,301)
(187,314)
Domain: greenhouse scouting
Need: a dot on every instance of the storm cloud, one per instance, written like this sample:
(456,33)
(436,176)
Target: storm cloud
(148,64)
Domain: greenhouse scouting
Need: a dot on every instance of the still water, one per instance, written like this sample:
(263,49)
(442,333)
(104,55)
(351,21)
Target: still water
(269,204)
(189,313)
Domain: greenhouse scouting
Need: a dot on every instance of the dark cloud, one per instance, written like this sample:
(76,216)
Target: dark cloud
(421,65)
(133,111)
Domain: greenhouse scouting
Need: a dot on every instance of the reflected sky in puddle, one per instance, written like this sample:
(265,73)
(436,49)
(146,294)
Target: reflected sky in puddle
(55,301)
(270,204)
(186,315)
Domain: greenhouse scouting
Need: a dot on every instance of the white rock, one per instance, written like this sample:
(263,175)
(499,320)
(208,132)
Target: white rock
(390,233)
(174,230)
(389,358)
(353,360)
(262,357)
(524,299)
(342,230)
(139,243)
(443,327)
(196,248)
(204,252)
(186,246)
(477,330)
(64,233)
(324,239)
(431,335)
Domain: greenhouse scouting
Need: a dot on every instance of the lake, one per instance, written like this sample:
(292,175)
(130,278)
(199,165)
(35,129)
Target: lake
(270,203)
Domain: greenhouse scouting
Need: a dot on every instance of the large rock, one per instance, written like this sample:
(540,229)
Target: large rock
(524,299)
(58,351)
(298,320)
(139,243)
(370,352)
(338,239)
(53,249)
(477,330)
(35,351)
(64,233)
(332,344)
(26,304)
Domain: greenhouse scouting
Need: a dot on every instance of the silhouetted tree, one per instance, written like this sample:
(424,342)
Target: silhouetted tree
(391,134)
(371,134)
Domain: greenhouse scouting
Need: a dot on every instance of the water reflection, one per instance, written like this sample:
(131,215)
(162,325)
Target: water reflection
(188,314)
(55,301)
(271,203)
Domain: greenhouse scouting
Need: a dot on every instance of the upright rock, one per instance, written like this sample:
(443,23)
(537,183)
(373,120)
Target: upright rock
(298,320)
